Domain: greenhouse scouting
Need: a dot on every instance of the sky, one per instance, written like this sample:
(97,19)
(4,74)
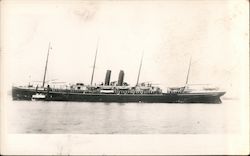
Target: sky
(214,33)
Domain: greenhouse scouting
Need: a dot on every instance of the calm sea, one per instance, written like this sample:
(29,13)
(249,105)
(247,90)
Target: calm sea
(122,118)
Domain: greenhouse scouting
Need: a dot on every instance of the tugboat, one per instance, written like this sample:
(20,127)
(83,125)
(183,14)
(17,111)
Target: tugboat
(116,91)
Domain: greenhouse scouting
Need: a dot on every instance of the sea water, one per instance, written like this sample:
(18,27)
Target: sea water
(122,118)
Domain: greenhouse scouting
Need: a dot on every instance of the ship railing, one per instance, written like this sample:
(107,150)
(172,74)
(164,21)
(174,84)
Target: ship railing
(103,92)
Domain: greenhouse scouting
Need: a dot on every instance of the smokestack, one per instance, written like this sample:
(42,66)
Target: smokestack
(107,78)
(120,78)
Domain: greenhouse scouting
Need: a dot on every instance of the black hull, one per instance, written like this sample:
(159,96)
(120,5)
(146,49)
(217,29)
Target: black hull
(208,97)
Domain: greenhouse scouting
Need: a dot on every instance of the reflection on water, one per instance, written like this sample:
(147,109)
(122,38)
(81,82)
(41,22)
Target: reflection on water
(122,118)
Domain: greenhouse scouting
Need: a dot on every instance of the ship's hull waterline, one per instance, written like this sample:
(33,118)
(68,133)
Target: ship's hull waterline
(207,97)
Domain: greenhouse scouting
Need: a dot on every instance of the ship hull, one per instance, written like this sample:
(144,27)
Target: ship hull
(204,97)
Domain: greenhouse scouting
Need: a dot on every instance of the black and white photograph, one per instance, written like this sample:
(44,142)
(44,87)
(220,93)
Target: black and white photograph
(126,77)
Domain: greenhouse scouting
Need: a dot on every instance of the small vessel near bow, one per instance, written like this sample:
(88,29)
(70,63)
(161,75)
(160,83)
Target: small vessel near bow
(116,91)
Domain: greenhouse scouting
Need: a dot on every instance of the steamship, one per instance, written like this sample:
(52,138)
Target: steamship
(116,91)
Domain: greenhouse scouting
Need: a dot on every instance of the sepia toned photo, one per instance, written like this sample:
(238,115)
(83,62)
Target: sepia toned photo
(124,77)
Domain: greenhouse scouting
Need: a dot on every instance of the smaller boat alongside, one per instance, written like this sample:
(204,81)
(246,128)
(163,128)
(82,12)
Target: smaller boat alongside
(38,96)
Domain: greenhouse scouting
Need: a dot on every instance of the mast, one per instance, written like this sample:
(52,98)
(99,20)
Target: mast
(93,72)
(138,77)
(188,71)
(46,65)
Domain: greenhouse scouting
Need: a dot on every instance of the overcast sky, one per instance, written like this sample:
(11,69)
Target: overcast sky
(169,33)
